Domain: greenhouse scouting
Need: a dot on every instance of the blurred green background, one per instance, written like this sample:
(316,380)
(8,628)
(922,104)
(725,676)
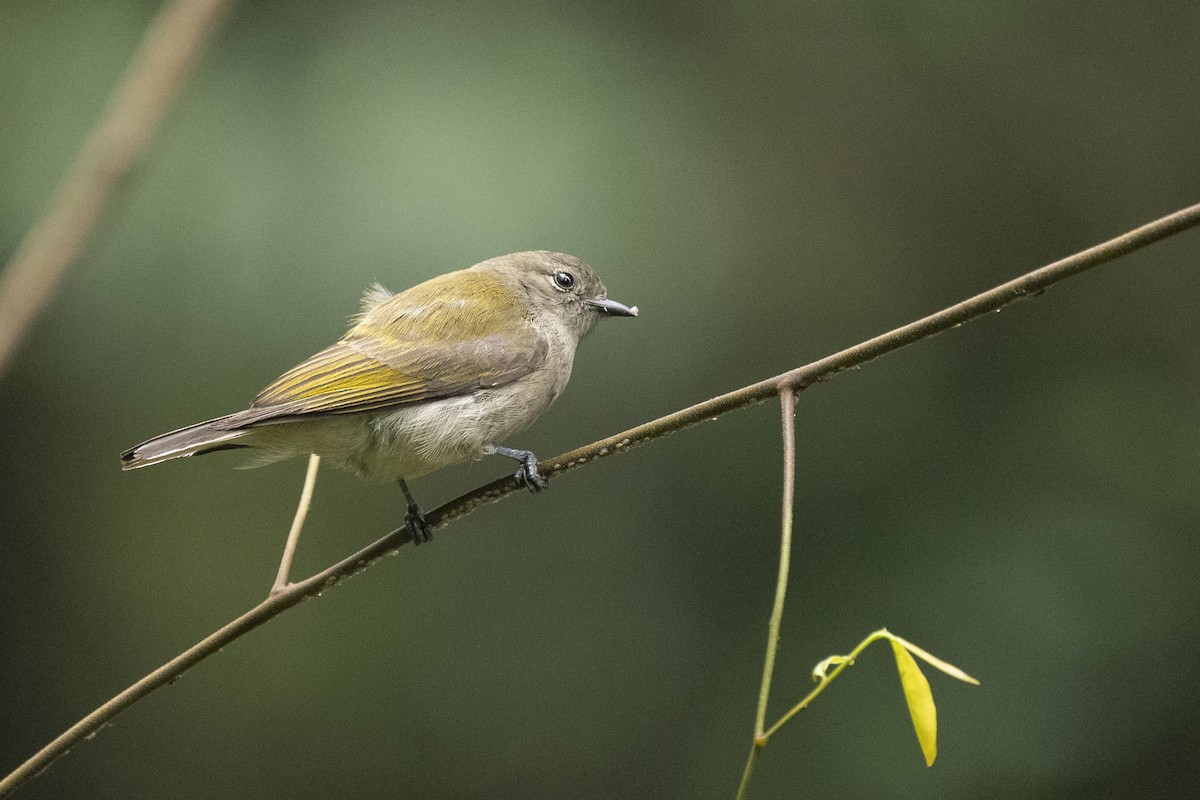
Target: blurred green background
(770,182)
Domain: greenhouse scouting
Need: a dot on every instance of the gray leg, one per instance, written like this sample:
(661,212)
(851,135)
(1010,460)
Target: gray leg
(414,520)
(527,473)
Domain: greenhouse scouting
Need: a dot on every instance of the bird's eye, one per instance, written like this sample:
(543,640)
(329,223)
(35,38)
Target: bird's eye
(564,280)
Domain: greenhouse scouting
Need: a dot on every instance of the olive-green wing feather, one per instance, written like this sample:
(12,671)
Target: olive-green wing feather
(446,337)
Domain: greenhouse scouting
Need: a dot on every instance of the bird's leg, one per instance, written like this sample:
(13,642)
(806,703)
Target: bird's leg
(527,473)
(415,520)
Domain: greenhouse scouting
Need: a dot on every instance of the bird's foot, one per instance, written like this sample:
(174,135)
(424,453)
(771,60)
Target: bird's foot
(527,473)
(414,520)
(418,526)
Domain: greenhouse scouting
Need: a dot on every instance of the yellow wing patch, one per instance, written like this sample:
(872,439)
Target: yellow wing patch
(336,379)
(449,336)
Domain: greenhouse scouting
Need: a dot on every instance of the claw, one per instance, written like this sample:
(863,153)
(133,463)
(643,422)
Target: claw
(527,473)
(418,526)
(414,520)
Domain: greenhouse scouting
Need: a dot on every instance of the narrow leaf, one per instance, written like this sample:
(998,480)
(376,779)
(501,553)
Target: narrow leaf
(932,660)
(920,702)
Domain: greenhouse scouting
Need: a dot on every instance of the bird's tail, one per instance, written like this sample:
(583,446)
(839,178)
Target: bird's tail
(203,437)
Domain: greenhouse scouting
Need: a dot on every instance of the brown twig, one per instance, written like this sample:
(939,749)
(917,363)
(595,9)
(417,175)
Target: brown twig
(284,577)
(105,163)
(796,380)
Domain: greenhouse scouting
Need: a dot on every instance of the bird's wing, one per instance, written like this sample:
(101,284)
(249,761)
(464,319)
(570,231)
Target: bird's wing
(446,337)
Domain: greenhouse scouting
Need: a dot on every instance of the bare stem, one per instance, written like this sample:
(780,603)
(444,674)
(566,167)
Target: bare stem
(796,380)
(787,402)
(106,161)
(283,578)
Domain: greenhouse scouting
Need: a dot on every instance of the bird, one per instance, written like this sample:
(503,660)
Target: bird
(432,376)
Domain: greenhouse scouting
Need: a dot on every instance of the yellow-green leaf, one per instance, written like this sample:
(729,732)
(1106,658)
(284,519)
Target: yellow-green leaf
(920,701)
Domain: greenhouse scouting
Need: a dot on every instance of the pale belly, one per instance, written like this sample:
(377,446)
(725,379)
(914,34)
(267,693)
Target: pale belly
(407,441)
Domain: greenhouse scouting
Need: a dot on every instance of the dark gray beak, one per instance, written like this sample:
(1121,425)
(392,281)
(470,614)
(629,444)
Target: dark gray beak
(612,307)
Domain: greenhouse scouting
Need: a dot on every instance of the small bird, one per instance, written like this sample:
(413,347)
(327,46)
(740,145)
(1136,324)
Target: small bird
(433,376)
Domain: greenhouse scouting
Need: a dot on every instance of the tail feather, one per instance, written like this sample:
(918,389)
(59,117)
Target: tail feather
(203,437)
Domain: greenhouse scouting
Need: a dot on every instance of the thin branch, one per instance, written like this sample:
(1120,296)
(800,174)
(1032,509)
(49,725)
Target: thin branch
(839,667)
(284,577)
(105,163)
(796,379)
(787,403)
(1028,285)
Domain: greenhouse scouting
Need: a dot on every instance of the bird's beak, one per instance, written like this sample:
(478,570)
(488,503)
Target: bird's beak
(612,307)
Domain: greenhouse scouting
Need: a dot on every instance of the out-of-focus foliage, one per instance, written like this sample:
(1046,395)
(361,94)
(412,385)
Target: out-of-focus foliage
(769,182)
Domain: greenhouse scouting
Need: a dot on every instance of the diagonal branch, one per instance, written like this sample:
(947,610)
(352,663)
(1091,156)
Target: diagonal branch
(105,163)
(796,380)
